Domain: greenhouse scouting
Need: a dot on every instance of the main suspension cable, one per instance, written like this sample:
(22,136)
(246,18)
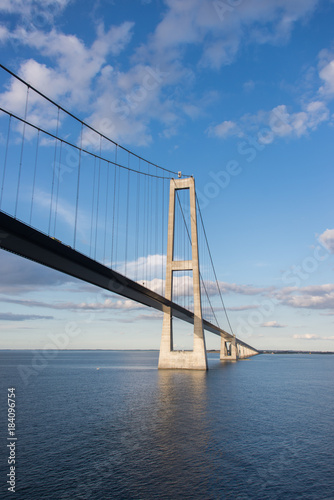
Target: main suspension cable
(82,150)
(83,123)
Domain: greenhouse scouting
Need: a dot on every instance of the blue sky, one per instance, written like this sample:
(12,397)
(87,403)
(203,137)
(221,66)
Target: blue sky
(238,93)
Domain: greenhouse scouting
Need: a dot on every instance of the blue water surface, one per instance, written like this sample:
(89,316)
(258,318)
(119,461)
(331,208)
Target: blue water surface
(109,425)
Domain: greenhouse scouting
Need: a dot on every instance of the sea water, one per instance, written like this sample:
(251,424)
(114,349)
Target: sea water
(110,425)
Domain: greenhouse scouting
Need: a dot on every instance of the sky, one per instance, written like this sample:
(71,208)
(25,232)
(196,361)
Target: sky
(237,93)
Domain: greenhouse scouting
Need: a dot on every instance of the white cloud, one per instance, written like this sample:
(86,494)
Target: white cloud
(20,275)
(107,304)
(311,336)
(307,336)
(182,285)
(152,316)
(225,288)
(242,308)
(178,26)
(124,304)
(71,76)
(40,112)
(76,64)
(31,15)
(276,123)
(32,7)
(317,113)
(310,297)
(115,40)
(3,33)
(148,267)
(279,122)
(249,85)
(326,73)
(327,238)
(243,289)
(219,53)
(22,317)
(220,26)
(223,130)
(273,324)
(130,100)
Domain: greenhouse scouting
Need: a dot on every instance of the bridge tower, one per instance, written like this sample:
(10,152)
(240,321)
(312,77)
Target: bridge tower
(170,358)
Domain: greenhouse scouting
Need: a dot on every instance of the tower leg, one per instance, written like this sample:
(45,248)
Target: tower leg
(234,350)
(168,358)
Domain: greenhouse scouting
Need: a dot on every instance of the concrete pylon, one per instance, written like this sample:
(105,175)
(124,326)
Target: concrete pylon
(239,347)
(234,349)
(168,358)
(244,352)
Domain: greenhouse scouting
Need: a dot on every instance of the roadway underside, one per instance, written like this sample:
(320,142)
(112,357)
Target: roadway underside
(21,239)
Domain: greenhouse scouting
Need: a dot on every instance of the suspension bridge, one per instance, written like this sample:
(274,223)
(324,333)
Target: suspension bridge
(76,201)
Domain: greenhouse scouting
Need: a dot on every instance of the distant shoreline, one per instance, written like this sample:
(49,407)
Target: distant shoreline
(295,352)
(273,351)
(267,351)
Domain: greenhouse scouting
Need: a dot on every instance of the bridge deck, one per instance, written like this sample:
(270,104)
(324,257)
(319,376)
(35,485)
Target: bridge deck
(23,240)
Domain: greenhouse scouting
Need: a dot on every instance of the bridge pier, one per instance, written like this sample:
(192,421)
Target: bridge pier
(242,352)
(246,351)
(168,358)
(228,349)
(184,360)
